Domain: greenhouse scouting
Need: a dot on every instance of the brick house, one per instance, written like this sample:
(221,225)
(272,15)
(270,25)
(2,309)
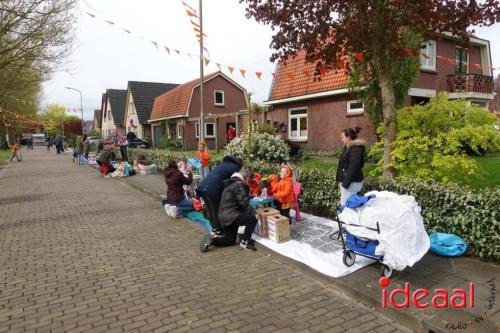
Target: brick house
(113,111)
(313,111)
(176,113)
(139,103)
(97,121)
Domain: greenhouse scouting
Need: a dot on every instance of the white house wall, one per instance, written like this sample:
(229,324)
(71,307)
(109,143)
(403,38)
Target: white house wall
(131,113)
(108,125)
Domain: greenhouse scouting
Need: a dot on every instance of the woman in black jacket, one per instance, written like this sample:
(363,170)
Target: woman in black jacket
(350,169)
(177,203)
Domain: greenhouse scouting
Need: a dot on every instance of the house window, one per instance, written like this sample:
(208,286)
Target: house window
(429,60)
(461,60)
(180,131)
(219,97)
(478,104)
(209,130)
(355,107)
(297,118)
(418,100)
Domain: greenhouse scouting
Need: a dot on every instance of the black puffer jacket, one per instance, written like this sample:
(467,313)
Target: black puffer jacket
(351,163)
(234,201)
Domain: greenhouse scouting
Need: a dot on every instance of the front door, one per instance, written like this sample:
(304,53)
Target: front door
(158,134)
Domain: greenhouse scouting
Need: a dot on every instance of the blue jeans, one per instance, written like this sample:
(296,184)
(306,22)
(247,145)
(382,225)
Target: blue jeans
(204,172)
(183,207)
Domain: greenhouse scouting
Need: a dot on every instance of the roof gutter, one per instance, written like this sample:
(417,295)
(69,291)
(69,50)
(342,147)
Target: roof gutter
(166,118)
(309,96)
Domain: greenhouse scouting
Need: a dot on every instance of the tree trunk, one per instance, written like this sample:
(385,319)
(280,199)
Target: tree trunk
(389,114)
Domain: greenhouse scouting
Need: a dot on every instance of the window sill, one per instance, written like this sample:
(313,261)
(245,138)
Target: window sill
(219,105)
(428,70)
(354,114)
(297,140)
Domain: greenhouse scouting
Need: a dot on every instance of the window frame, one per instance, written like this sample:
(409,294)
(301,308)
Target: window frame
(215,98)
(197,130)
(425,65)
(462,62)
(298,117)
(178,127)
(354,112)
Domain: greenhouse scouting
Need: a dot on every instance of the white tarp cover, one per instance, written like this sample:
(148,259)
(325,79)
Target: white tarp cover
(402,240)
(327,259)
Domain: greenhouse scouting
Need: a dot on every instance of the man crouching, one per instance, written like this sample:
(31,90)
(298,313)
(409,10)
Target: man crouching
(235,211)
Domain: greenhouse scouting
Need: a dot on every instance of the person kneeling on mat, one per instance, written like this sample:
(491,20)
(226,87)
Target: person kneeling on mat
(235,211)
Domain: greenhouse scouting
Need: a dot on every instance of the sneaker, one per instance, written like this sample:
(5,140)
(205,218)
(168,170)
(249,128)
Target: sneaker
(173,211)
(167,210)
(206,242)
(217,233)
(248,245)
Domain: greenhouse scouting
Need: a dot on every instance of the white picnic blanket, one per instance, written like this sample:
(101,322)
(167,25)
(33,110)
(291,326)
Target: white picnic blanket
(402,239)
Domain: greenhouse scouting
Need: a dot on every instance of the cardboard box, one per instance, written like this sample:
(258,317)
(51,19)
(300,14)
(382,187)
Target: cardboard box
(262,214)
(278,228)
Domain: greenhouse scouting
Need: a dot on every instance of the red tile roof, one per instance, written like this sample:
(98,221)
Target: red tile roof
(291,81)
(176,101)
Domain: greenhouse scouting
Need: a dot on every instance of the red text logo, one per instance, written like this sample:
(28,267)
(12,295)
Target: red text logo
(422,298)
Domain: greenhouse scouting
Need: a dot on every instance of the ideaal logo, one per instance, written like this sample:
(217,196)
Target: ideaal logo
(422,298)
(440,299)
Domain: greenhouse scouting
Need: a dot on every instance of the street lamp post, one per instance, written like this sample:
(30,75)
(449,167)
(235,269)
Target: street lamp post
(81,102)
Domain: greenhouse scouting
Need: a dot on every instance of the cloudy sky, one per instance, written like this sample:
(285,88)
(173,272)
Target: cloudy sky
(105,56)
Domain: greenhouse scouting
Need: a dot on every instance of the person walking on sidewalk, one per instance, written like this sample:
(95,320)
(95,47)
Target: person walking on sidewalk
(235,211)
(14,150)
(177,203)
(48,143)
(79,149)
(123,147)
(86,148)
(351,162)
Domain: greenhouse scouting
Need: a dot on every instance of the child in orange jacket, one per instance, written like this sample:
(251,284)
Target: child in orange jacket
(285,196)
(204,155)
(14,149)
(272,187)
(253,183)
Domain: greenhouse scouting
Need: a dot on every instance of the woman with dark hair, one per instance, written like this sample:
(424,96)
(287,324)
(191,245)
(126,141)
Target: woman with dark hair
(177,203)
(350,169)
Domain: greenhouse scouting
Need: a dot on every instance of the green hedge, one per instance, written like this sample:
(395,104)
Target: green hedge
(474,216)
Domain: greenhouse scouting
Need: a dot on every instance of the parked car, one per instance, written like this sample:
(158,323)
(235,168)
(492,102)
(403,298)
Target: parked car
(94,140)
(137,143)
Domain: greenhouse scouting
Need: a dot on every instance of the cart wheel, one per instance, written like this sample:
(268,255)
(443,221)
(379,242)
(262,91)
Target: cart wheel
(385,271)
(349,258)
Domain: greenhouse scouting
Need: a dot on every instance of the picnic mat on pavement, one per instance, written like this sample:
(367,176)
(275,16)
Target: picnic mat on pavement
(311,244)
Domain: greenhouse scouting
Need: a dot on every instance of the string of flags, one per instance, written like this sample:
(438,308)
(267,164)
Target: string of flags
(194,18)
(243,72)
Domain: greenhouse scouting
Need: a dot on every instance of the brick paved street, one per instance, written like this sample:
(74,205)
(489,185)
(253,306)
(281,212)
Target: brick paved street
(82,253)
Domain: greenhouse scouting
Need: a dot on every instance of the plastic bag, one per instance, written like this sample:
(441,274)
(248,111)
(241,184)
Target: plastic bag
(195,162)
(447,245)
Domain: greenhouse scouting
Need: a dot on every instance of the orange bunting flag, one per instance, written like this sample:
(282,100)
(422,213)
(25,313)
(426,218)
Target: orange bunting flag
(190,13)
(259,74)
(243,71)
(167,49)
(178,52)
(340,64)
(195,24)
(188,6)
(478,66)
(127,31)
(91,15)
(425,55)
(155,44)
(306,72)
(112,23)
(207,61)
(290,75)
(231,69)
(359,57)
(218,65)
(322,70)
(408,52)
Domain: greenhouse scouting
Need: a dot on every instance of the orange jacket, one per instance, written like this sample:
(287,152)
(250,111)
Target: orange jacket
(205,157)
(285,191)
(14,148)
(253,184)
(272,188)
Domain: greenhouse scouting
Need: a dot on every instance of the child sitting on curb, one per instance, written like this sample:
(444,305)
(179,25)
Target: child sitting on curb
(284,195)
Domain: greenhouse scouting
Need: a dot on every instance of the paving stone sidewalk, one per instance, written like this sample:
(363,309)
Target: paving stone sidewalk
(83,253)
(431,272)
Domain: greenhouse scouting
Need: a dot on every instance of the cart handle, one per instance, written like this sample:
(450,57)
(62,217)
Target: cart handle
(360,226)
